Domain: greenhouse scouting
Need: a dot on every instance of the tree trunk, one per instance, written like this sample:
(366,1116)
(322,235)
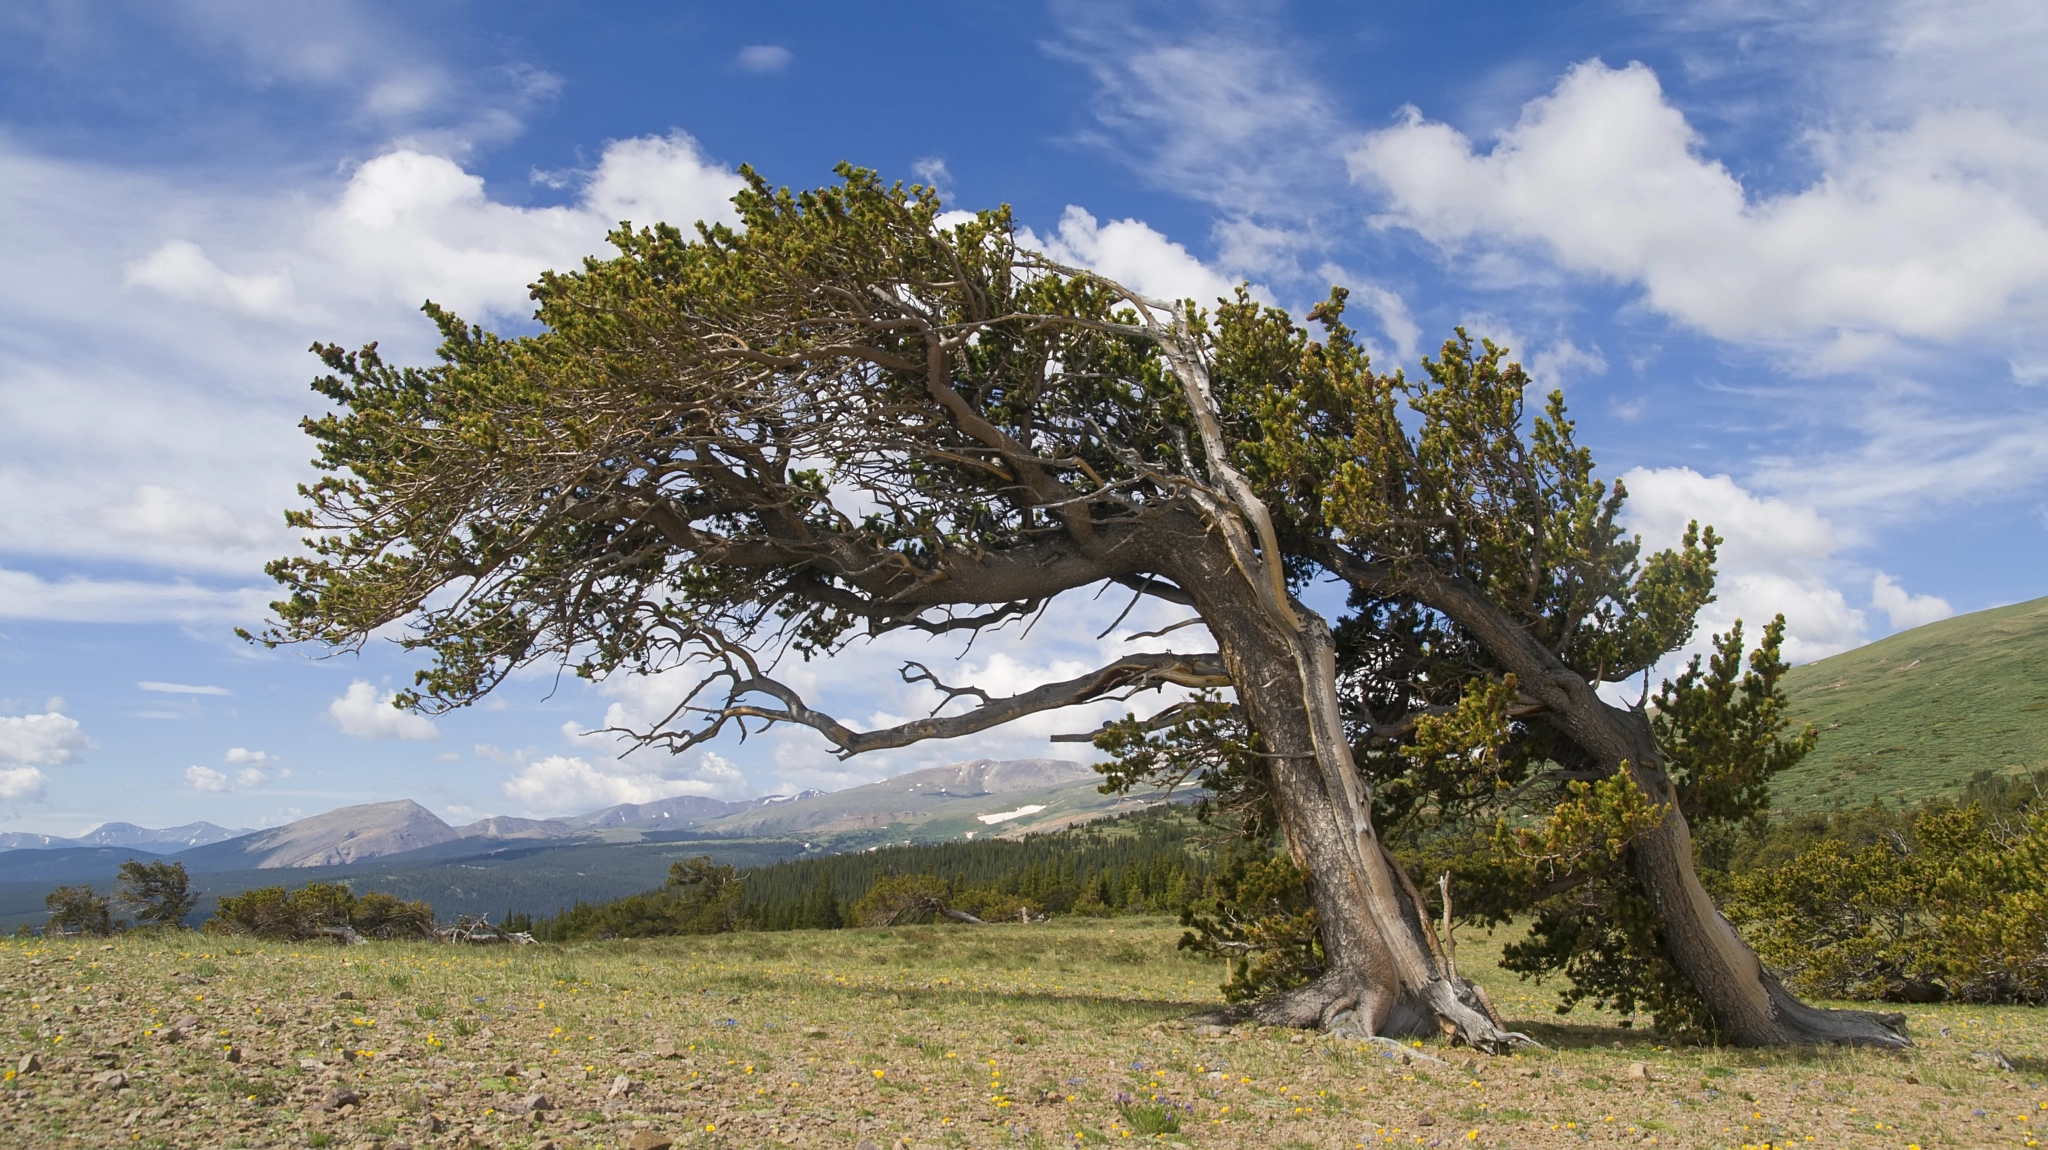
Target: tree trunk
(1748,1003)
(1387,975)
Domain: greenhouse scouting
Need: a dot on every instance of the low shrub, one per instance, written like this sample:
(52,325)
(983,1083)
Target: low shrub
(700,897)
(318,909)
(1952,905)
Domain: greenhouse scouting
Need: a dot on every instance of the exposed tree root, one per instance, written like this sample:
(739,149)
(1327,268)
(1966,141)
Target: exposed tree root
(1799,1024)
(1340,1003)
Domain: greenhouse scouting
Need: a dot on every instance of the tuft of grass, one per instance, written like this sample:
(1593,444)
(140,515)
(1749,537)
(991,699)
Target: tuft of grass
(1150,1119)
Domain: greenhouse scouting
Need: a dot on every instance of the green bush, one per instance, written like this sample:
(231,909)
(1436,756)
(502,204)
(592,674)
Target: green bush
(317,908)
(1952,905)
(699,898)
(897,900)
(1260,921)
(160,892)
(79,910)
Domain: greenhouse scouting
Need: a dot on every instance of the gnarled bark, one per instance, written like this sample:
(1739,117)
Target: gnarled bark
(1387,975)
(1748,1003)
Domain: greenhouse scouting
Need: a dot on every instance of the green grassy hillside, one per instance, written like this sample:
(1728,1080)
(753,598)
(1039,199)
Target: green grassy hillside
(1912,717)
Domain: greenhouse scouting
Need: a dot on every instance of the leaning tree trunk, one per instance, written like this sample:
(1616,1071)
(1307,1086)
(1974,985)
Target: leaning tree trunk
(1748,1003)
(1387,976)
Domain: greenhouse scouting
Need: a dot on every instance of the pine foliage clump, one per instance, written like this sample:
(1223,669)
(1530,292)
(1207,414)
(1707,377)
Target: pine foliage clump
(1952,904)
(318,909)
(700,897)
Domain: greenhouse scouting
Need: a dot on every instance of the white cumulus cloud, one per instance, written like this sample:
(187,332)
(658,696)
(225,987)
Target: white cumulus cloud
(1926,231)
(1904,608)
(159,327)
(565,784)
(206,779)
(1776,558)
(23,784)
(364,713)
(49,739)
(1132,253)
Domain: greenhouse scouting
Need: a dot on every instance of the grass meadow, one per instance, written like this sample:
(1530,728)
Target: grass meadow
(1058,1034)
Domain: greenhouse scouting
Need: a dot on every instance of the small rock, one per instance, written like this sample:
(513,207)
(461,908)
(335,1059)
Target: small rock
(311,1064)
(1994,1058)
(664,1049)
(814,1032)
(531,1104)
(1297,1039)
(339,1097)
(1427,1119)
(650,1140)
(864,1144)
(621,1086)
(110,1080)
(29,1064)
(1640,1071)
(1528,1072)
(187,1023)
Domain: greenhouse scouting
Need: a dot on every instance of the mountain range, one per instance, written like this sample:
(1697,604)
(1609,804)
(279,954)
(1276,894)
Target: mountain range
(127,835)
(1910,717)
(372,829)
(540,864)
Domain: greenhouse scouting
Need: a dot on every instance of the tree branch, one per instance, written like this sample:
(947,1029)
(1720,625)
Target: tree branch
(1129,674)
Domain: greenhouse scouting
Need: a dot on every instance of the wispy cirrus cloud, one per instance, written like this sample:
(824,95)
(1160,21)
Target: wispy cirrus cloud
(180,688)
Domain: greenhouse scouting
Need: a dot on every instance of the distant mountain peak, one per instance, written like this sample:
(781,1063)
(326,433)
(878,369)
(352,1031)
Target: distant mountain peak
(338,837)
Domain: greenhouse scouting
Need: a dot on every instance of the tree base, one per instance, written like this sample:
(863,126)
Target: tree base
(1798,1024)
(1346,1005)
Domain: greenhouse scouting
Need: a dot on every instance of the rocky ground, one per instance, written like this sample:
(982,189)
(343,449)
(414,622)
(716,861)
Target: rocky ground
(1052,1034)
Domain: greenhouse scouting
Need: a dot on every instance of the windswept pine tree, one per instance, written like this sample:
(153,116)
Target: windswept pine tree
(843,418)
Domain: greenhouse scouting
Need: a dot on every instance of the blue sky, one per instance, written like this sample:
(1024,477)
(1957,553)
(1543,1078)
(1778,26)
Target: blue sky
(1787,260)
